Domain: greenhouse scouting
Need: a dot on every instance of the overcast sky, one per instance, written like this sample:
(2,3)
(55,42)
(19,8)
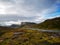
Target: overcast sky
(16,11)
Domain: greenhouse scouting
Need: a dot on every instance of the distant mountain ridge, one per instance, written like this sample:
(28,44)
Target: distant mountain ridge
(50,24)
(53,23)
(27,24)
(14,26)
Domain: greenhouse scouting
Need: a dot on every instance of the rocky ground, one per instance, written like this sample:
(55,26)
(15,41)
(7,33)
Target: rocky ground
(28,37)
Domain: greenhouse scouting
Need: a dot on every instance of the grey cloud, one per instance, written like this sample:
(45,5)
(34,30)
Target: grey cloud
(39,5)
(31,7)
(8,1)
(16,18)
(30,10)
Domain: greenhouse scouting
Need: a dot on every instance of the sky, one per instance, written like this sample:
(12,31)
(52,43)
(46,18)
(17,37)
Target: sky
(16,11)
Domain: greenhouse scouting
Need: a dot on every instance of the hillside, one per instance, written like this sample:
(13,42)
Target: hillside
(53,24)
(50,24)
(28,24)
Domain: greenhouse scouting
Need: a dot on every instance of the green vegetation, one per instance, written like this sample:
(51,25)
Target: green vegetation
(20,36)
(50,24)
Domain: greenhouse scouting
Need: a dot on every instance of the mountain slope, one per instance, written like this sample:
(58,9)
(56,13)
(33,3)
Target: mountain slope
(50,24)
(27,24)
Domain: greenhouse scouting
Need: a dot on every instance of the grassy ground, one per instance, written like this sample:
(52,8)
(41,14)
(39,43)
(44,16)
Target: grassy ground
(28,37)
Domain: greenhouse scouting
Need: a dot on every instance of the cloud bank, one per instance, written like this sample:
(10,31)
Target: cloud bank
(14,11)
